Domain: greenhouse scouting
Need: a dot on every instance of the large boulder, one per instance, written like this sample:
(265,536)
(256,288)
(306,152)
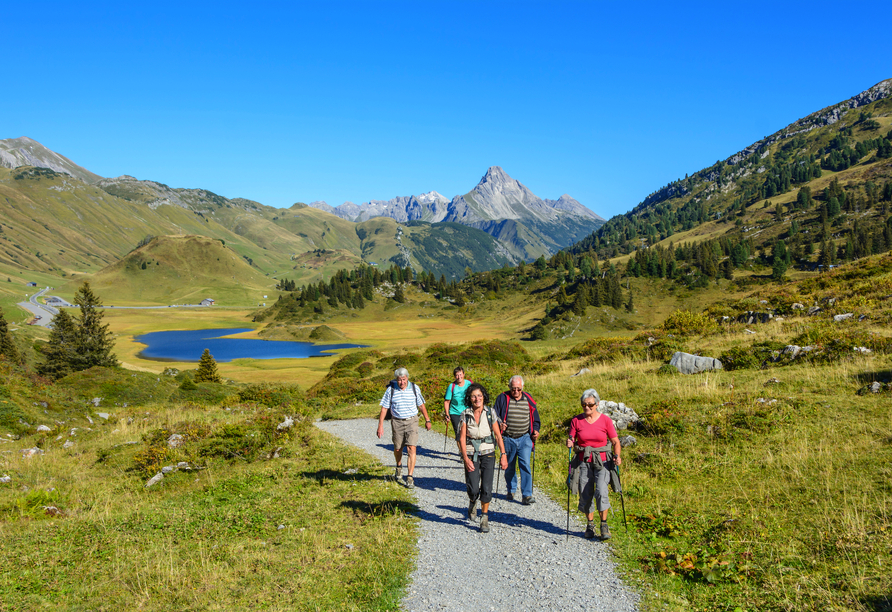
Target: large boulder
(621,415)
(694,364)
(751,316)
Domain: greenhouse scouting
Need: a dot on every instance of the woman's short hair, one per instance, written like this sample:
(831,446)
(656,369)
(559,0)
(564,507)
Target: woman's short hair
(590,394)
(471,389)
(457,370)
(401,372)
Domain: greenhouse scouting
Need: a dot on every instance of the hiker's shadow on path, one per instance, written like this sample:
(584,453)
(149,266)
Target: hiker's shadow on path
(427,454)
(502,512)
(383,508)
(361,476)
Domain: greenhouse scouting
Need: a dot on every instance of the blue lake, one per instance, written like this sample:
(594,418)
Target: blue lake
(188,345)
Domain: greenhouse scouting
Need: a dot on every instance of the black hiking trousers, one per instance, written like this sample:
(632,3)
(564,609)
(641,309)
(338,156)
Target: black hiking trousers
(479,482)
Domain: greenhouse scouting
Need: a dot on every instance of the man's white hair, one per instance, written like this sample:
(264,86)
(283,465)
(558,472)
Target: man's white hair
(516,377)
(401,372)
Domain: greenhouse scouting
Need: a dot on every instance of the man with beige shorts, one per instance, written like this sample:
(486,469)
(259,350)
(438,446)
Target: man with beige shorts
(403,399)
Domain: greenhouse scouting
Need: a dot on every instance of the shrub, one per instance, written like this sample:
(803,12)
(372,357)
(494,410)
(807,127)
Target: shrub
(271,395)
(661,418)
(688,322)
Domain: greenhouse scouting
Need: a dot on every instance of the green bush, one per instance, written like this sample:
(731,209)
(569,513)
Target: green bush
(662,418)
(688,323)
(271,395)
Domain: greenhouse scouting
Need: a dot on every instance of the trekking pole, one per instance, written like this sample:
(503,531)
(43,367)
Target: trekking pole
(569,459)
(533,470)
(446,435)
(622,498)
(498,478)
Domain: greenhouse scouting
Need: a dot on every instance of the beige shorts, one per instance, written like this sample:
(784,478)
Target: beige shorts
(405,432)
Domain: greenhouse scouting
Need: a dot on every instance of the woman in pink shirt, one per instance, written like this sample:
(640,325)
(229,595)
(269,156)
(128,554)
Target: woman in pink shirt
(589,434)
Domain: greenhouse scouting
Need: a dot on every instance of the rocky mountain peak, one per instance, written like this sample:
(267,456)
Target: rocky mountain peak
(24,151)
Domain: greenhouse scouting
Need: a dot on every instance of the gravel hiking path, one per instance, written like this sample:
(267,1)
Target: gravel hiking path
(524,563)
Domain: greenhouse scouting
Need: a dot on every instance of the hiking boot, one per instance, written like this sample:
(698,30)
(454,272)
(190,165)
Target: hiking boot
(605,531)
(472,510)
(398,476)
(410,482)
(484,523)
(526,501)
(590,532)
(510,497)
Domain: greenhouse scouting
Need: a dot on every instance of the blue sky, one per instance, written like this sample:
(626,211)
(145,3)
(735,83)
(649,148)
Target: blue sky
(352,101)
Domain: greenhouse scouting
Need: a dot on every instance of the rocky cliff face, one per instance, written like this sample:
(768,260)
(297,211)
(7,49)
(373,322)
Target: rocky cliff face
(23,151)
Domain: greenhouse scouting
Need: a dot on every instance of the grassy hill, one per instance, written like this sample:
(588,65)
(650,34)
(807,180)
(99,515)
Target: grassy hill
(180,270)
(818,184)
(54,225)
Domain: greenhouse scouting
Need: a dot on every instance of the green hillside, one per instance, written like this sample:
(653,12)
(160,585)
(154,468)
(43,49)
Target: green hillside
(822,185)
(182,270)
(54,225)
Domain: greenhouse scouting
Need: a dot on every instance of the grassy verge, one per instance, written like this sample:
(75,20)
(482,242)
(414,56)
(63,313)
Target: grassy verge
(313,529)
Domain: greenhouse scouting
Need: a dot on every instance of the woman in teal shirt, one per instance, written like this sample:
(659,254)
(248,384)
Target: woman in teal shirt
(454,404)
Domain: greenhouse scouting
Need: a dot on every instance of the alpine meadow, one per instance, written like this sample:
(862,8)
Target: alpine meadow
(758,479)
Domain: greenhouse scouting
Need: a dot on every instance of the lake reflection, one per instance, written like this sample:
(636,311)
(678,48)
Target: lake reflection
(188,345)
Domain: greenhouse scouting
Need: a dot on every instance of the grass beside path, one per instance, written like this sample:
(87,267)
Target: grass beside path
(202,540)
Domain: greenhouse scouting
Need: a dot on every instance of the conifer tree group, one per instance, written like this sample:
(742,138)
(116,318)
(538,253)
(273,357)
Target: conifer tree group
(77,344)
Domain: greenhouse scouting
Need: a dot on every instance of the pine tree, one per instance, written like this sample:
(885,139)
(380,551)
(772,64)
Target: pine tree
(207,369)
(94,340)
(7,346)
(539,332)
(61,346)
(630,305)
(780,260)
(580,303)
(398,295)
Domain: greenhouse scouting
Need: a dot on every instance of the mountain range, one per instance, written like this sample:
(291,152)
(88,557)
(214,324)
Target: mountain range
(499,205)
(59,218)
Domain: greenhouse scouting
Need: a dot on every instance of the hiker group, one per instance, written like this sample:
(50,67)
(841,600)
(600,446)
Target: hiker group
(512,425)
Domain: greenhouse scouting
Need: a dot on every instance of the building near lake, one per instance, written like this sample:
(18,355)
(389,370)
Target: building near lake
(207,302)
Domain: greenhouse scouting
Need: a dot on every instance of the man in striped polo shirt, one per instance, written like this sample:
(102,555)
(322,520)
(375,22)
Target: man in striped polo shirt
(404,400)
(517,411)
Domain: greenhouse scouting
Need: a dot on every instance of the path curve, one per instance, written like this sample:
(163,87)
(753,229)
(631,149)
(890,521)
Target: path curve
(528,562)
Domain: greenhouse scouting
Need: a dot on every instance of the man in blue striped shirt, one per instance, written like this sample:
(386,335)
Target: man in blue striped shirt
(404,400)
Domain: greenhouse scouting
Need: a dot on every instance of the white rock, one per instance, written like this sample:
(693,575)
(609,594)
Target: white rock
(167,469)
(175,441)
(155,479)
(5,479)
(862,349)
(68,444)
(31,452)
(103,415)
(182,465)
(96,401)
(288,423)
(41,428)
